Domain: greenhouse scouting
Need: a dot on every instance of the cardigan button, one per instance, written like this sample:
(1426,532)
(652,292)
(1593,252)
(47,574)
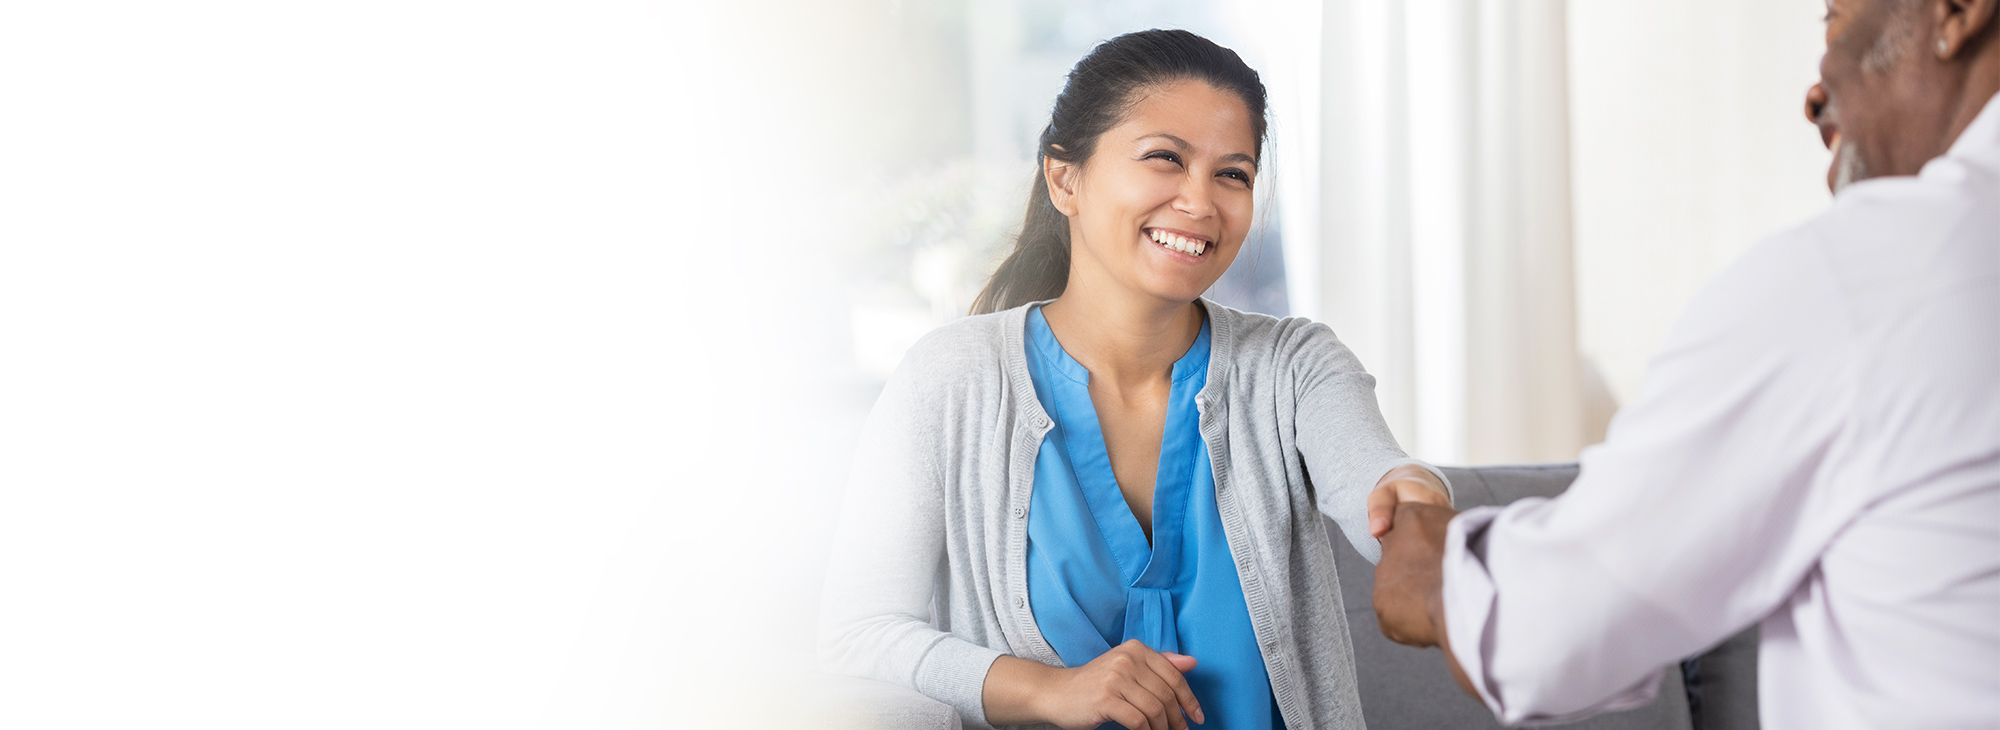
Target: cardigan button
(1019,513)
(1041,422)
(1020,601)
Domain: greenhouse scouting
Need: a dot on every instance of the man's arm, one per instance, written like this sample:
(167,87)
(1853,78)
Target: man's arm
(1694,519)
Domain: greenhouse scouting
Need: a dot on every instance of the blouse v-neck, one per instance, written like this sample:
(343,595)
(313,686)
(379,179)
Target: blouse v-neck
(1141,564)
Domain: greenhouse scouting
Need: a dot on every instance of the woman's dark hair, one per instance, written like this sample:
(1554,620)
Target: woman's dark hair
(1102,88)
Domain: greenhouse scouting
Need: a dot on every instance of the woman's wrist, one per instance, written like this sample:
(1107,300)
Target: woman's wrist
(1414,473)
(1044,684)
(1017,689)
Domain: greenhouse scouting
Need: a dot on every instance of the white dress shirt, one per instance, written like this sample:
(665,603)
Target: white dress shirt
(1817,447)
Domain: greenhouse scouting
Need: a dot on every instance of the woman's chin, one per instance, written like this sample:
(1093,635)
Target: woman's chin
(1179,291)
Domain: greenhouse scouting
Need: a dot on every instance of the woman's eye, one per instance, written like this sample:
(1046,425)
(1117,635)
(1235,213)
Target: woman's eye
(1164,155)
(1236,174)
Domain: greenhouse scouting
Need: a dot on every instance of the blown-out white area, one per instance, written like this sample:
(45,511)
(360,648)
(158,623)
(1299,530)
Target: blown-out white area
(408,364)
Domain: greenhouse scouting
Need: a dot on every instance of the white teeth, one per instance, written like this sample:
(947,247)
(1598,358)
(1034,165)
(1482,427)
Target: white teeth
(1174,242)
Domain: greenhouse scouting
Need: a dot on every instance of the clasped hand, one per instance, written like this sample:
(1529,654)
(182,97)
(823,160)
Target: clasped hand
(1409,582)
(1131,685)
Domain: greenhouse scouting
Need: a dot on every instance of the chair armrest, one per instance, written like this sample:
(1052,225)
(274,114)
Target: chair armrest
(866,703)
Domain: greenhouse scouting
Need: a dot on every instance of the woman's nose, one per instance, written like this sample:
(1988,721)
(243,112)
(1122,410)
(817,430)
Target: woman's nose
(1195,200)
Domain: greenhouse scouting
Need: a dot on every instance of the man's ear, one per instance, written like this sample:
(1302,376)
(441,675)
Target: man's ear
(1062,179)
(1960,23)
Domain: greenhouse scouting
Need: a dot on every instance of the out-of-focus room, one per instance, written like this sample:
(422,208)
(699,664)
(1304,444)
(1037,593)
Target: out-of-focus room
(1500,206)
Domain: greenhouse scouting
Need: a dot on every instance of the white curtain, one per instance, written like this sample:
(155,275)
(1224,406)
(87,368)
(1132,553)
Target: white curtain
(1443,255)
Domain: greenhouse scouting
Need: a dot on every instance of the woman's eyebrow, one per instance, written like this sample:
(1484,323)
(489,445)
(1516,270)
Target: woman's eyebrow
(1183,146)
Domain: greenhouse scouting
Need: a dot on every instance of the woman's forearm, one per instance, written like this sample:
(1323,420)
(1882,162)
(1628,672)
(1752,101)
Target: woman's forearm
(1013,686)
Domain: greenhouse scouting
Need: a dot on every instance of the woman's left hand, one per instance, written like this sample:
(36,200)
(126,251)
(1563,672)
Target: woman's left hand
(1406,483)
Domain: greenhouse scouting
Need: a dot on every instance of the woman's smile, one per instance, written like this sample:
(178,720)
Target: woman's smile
(1186,246)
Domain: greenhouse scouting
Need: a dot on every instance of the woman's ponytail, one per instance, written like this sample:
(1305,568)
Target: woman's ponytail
(1038,268)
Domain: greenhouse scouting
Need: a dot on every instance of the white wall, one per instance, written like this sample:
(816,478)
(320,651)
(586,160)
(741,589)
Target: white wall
(1456,208)
(1688,144)
(1444,260)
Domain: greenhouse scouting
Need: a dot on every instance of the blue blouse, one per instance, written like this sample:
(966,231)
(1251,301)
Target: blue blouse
(1093,580)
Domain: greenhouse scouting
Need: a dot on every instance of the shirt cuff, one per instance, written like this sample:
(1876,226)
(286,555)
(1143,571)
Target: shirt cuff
(954,672)
(1468,598)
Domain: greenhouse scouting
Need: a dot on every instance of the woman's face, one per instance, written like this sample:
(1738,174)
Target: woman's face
(1163,204)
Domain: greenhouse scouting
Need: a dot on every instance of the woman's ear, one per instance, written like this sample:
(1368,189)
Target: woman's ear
(1062,179)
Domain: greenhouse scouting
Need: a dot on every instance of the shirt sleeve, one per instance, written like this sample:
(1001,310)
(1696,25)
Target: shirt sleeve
(1342,437)
(888,553)
(1693,519)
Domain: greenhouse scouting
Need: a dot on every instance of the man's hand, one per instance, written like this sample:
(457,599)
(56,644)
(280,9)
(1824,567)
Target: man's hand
(1406,483)
(1409,582)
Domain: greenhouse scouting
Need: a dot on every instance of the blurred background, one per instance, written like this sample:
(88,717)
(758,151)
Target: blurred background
(439,363)
(1501,205)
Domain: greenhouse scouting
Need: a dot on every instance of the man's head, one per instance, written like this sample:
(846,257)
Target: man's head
(1900,80)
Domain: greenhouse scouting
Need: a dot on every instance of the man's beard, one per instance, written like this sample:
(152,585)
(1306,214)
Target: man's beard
(1848,167)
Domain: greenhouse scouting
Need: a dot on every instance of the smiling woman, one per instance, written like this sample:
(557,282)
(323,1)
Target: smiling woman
(1109,468)
(1164,212)
(1187,116)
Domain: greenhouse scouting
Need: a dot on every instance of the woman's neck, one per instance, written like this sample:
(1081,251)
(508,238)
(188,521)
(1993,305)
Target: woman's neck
(1122,341)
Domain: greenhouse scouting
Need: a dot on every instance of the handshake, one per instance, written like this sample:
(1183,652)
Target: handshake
(1409,581)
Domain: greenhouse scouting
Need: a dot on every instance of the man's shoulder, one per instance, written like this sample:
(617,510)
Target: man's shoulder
(1783,289)
(1892,244)
(1882,248)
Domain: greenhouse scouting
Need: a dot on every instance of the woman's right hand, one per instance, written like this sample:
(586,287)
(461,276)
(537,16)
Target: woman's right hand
(1131,685)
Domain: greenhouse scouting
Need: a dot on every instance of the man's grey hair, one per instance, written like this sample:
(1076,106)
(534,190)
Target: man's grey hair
(1898,36)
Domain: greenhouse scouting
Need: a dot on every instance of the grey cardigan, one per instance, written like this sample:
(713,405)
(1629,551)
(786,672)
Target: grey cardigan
(927,581)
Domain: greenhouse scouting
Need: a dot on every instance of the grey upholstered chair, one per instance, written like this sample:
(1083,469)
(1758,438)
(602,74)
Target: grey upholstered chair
(1404,688)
